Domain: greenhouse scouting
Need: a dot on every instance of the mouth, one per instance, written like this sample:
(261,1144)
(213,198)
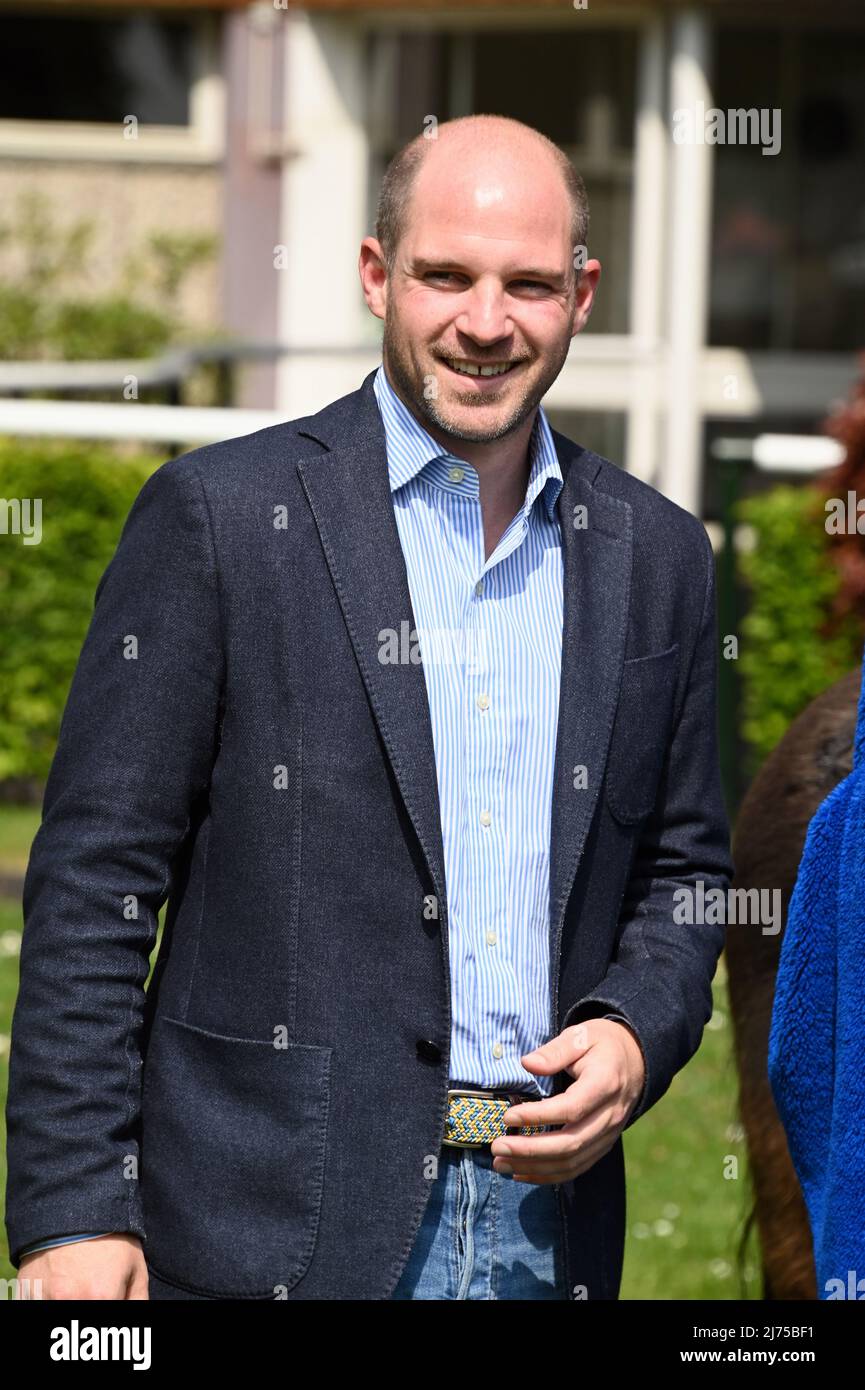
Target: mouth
(481,374)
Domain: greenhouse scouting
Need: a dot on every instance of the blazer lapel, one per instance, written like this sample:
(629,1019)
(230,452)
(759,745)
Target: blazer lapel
(597,578)
(348,489)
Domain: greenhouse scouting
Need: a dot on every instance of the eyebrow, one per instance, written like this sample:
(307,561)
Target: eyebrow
(422,263)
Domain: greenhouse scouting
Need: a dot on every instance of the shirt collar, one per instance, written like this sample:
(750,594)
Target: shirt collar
(412,450)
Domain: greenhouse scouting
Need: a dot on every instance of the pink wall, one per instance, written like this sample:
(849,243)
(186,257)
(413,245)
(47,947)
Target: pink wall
(251,204)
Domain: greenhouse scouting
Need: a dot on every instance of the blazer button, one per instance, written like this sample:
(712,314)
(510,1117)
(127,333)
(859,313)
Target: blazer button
(428,1051)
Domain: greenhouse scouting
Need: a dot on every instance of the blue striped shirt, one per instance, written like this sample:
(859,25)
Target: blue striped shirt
(492,664)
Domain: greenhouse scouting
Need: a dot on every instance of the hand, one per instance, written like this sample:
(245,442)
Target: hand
(607,1062)
(108,1267)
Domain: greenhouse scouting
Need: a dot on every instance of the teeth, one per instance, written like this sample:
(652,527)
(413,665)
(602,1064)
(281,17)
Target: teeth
(469,368)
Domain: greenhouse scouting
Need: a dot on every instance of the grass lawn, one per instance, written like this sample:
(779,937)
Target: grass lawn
(685,1217)
(18,825)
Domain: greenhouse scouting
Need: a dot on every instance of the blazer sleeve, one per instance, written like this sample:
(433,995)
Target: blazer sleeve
(660,978)
(135,751)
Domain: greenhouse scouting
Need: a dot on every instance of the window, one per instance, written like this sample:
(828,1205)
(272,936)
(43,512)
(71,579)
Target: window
(788,256)
(89,68)
(70,82)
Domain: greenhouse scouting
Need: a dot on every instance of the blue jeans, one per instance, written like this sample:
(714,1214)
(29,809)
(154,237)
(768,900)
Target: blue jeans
(485,1236)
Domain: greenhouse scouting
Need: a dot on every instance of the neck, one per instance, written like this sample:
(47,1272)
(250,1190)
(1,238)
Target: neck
(503,467)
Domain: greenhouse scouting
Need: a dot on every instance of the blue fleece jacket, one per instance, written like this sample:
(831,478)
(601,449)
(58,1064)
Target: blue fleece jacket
(817,1037)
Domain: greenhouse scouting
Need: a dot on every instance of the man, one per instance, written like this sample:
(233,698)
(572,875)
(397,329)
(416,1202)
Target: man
(421,965)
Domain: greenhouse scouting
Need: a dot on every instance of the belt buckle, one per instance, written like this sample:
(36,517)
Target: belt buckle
(480,1095)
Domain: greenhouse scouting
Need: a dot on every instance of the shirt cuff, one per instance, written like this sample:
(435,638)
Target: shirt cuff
(62,1240)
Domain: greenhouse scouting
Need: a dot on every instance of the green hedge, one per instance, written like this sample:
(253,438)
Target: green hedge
(785,655)
(47,590)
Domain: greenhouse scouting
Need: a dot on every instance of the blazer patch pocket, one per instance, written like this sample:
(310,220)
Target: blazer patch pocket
(640,734)
(232,1160)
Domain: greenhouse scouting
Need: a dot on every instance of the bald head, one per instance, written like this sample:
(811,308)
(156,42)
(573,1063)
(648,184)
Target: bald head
(481,163)
(473,271)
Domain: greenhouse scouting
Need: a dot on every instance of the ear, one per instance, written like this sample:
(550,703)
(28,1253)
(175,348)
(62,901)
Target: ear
(373,276)
(585,296)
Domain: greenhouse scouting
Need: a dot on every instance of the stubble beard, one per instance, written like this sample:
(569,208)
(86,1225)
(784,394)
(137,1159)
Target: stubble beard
(405,377)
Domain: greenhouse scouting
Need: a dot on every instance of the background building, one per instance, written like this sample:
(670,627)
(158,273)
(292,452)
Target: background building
(733,290)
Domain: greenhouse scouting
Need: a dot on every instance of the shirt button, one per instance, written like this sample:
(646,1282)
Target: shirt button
(483,702)
(497,1049)
(479,587)
(456,475)
(491,938)
(486,818)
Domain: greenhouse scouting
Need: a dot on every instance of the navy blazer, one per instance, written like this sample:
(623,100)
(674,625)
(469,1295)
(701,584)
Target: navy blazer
(266,1113)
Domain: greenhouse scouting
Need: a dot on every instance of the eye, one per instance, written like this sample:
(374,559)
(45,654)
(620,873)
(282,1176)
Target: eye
(444,276)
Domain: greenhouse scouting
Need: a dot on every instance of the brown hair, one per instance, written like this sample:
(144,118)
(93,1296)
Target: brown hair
(401,172)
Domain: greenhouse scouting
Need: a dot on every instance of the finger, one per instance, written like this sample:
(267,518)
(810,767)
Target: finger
(559,1052)
(552,1173)
(590,1125)
(544,1179)
(555,1110)
(539,1168)
(547,1163)
(577,1160)
(566,1108)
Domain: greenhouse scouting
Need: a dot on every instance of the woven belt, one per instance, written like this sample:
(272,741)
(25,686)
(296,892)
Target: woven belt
(474,1118)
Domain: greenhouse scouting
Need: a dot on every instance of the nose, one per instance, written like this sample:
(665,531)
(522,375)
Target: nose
(482,314)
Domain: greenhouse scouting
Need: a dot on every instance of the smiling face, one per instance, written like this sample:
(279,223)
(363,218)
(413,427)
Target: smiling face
(482,300)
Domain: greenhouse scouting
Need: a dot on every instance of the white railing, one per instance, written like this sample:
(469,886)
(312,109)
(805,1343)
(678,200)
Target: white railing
(153,423)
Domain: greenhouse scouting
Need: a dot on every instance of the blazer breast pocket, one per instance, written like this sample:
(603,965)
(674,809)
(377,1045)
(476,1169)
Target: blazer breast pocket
(640,734)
